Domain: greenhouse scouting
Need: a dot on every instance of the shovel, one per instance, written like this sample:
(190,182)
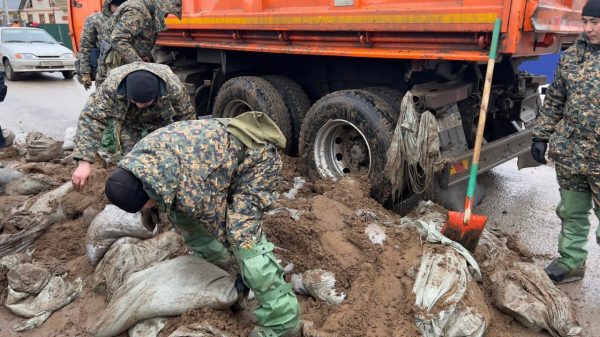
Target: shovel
(465,228)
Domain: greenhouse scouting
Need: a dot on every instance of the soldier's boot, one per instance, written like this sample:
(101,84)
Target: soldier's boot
(573,210)
(597,211)
(278,313)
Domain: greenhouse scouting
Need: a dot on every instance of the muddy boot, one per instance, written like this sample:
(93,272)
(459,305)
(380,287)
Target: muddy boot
(573,210)
(560,273)
(243,291)
(278,313)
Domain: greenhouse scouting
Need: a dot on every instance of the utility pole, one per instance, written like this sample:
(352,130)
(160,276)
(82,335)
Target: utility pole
(6,18)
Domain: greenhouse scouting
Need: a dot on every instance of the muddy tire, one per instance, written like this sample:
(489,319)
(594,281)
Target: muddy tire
(68,74)
(393,97)
(297,104)
(250,93)
(346,132)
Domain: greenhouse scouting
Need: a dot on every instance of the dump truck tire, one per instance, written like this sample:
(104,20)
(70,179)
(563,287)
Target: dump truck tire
(346,132)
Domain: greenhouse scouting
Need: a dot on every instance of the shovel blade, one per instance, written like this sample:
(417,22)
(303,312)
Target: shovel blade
(467,234)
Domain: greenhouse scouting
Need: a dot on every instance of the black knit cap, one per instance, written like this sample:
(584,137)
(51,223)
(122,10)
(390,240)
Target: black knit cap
(117,2)
(142,86)
(591,8)
(125,190)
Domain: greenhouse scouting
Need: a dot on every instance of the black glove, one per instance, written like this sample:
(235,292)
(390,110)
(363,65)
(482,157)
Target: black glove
(538,150)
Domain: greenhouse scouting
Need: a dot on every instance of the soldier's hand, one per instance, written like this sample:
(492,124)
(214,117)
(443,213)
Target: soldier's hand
(86,80)
(538,150)
(81,174)
(150,218)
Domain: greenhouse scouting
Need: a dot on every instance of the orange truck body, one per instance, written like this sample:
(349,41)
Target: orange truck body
(397,29)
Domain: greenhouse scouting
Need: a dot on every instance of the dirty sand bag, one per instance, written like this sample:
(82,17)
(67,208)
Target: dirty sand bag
(39,304)
(121,260)
(30,184)
(7,175)
(69,140)
(41,148)
(450,302)
(169,288)
(9,137)
(148,328)
(108,226)
(203,329)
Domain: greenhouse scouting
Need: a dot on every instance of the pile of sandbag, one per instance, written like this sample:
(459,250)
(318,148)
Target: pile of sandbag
(39,148)
(35,294)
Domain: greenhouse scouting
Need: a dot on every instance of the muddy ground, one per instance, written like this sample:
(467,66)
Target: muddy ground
(329,235)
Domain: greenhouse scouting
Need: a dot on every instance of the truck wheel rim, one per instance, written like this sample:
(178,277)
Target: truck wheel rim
(236,108)
(341,148)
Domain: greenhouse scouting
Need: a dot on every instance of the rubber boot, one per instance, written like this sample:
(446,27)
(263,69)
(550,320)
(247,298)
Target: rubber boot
(573,210)
(278,313)
(201,242)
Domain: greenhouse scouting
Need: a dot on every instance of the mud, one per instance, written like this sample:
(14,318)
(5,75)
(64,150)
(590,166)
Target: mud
(329,235)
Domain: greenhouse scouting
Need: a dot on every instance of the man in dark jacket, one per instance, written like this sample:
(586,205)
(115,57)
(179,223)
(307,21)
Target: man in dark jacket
(570,125)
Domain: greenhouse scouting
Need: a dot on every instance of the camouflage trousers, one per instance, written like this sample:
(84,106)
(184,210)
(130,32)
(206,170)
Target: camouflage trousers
(571,181)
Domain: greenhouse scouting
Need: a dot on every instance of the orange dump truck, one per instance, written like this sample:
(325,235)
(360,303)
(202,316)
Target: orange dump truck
(332,73)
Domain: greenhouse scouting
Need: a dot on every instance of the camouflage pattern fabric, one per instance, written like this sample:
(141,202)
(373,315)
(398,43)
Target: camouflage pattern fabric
(571,181)
(110,103)
(200,170)
(95,29)
(570,117)
(137,22)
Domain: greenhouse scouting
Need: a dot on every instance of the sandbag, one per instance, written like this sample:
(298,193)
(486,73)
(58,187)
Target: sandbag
(108,226)
(28,278)
(148,328)
(121,260)
(30,184)
(56,294)
(7,175)
(169,288)
(524,291)
(41,148)
(69,141)
(450,302)
(9,137)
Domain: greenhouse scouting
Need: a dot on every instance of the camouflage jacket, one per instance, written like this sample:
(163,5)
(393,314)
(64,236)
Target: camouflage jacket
(136,24)
(95,29)
(110,103)
(198,168)
(570,117)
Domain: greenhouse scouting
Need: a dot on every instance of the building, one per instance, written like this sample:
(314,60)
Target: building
(44,11)
(13,12)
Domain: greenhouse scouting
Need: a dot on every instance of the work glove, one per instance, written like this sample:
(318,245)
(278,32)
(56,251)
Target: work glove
(86,80)
(150,218)
(538,150)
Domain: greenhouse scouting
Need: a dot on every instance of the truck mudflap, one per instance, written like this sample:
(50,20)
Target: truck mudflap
(492,155)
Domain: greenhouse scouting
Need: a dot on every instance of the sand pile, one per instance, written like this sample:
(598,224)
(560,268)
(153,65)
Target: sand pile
(329,234)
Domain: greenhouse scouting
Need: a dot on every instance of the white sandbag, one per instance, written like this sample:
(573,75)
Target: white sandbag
(30,184)
(7,175)
(44,205)
(148,328)
(108,226)
(28,278)
(318,283)
(40,148)
(450,301)
(69,141)
(121,260)
(169,288)
(55,295)
(199,330)
(9,137)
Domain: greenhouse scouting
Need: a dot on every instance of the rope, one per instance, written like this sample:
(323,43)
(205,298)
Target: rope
(414,154)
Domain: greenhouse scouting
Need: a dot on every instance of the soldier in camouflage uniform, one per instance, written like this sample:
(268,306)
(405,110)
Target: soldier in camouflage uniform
(113,107)
(215,178)
(95,30)
(570,124)
(133,32)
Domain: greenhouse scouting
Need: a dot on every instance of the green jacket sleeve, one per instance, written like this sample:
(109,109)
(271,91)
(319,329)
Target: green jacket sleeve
(554,103)
(92,122)
(89,40)
(128,26)
(253,192)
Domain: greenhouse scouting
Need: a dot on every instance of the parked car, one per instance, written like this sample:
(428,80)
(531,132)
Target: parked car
(33,50)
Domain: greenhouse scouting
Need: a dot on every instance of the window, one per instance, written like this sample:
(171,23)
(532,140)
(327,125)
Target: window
(26,35)
(30,18)
(51,18)
(28,4)
(52,4)
(65,18)
(42,18)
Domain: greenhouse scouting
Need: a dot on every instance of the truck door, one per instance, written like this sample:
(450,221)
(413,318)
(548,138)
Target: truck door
(78,11)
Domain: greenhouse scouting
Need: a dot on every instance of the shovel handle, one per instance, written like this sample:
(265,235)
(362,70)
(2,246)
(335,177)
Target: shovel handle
(487,87)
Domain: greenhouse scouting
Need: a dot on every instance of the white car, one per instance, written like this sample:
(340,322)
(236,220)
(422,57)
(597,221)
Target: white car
(33,50)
